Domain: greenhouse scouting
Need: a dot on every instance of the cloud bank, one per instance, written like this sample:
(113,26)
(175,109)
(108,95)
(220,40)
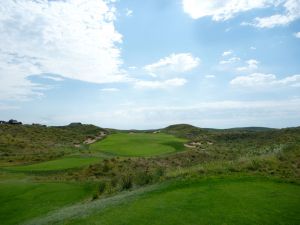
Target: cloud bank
(76,39)
(165,84)
(221,10)
(261,80)
(173,64)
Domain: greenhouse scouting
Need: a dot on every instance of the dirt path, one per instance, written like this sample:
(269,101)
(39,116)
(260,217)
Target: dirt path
(84,209)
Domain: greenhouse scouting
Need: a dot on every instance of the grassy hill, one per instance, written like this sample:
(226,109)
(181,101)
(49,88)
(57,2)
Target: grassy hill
(36,143)
(183,130)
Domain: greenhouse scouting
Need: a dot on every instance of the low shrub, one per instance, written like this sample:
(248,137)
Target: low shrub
(142,178)
(126,182)
(101,187)
(95,196)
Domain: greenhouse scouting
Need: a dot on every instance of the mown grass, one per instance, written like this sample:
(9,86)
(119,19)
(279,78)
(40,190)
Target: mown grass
(139,144)
(210,201)
(24,200)
(56,165)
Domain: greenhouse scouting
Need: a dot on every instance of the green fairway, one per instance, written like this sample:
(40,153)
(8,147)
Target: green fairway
(208,202)
(21,201)
(139,144)
(56,165)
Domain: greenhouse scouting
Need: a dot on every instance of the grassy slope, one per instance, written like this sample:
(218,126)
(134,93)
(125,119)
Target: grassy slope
(184,130)
(139,144)
(55,165)
(212,201)
(26,143)
(21,201)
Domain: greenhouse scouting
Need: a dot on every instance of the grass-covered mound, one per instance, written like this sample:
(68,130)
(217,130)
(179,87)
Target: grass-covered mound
(28,143)
(139,144)
(24,200)
(184,130)
(56,165)
(207,202)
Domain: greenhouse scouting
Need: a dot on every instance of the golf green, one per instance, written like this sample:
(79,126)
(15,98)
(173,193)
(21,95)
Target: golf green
(139,144)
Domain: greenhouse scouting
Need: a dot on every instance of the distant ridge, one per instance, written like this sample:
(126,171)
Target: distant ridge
(174,128)
(251,128)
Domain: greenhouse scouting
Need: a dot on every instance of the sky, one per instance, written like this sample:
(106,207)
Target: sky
(132,64)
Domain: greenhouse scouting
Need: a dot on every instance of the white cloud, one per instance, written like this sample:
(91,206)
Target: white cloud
(227,53)
(73,38)
(297,35)
(210,76)
(230,60)
(292,13)
(293,81)
(129,12)
(55,78)
(252,64)
(173,65)
(221,9)
(260,80)
(271,21)
(253,80)
(12,78)
(110,89)
(4,107)
(165,84)
(253,48)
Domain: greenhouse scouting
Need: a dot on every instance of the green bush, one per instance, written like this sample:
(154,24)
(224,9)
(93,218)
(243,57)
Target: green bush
(101,187)
(159,172)
(95,196)
(254,165)
(126,182)
(106,167)
(143,178)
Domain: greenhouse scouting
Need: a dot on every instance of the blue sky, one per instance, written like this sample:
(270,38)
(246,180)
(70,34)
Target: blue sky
(148,64)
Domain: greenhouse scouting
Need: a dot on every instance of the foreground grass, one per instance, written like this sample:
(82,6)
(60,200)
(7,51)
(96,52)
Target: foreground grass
(139,144)
(211,201)
(56,165)
(24,200)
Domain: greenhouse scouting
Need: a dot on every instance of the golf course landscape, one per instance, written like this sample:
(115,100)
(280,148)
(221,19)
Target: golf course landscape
(156,112)
(180,174)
